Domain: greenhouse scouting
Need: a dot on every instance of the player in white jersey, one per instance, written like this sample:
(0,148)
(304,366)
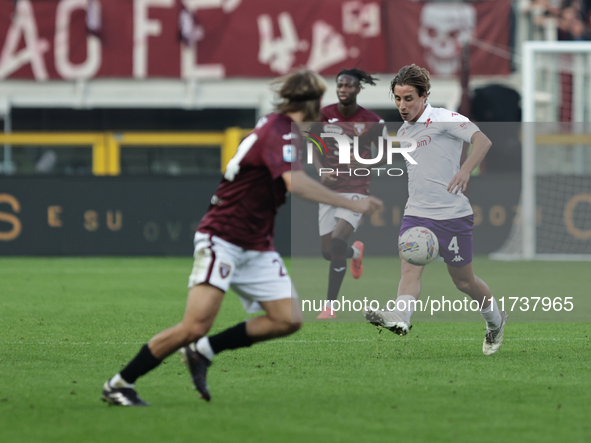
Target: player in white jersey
(436,185)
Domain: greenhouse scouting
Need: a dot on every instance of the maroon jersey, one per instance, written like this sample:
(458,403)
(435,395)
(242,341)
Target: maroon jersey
(356,125)
(244,206)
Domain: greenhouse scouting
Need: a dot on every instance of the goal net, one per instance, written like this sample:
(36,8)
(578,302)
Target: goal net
(555,202)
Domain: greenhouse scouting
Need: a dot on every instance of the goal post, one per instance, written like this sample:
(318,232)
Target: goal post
(555,221)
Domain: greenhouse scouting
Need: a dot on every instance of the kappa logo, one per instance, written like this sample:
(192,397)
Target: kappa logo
(453,114)
(225,270)
(428,122)
(457,258)
(332,120)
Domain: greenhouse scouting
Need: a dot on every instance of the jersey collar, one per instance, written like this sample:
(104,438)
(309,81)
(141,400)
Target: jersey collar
(423,118)
(346,119)
(425,115)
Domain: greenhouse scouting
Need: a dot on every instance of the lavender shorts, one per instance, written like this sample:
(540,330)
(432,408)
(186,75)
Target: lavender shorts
(454,236)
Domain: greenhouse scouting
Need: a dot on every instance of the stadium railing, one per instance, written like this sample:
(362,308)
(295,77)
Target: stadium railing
(106,146)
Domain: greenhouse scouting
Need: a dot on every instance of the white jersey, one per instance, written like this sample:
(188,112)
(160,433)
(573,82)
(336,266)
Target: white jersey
(439,134)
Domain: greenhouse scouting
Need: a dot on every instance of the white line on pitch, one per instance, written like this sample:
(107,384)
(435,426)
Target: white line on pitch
(291,341)
(93,271)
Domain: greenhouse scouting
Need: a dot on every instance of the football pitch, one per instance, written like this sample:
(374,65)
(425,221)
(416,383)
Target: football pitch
(67,324)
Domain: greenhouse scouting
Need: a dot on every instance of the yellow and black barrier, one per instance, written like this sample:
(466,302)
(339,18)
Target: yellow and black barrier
(106,146)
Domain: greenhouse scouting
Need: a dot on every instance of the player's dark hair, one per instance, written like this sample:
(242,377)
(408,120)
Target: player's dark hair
(362,76)
(412,75)
(300,91)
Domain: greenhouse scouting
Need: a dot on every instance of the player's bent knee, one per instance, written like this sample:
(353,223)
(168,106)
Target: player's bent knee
(327,255)
(195,331)
(463,285)
(283,328)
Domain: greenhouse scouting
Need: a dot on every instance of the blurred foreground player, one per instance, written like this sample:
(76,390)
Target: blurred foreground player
(336,224)
(436,200)
(234,246)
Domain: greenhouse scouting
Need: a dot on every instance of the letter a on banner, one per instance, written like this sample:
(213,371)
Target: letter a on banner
(23,26)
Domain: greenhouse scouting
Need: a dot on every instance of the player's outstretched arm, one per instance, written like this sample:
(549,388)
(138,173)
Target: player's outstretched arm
(302,186)
(480,146)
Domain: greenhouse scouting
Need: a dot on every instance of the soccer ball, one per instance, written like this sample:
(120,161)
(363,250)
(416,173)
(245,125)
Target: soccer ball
(418,246)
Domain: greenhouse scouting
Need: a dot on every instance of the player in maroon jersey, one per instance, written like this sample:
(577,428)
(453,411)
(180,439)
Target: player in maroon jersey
(234,246)
(336,225)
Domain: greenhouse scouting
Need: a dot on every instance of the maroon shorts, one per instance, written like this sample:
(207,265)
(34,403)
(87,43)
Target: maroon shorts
(454,236)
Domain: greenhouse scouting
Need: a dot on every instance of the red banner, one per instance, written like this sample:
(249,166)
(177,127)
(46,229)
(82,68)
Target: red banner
(72,39)
(430,34)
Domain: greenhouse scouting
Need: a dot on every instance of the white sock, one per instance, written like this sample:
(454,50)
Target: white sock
(356,252)
(119,382)
(204,348)
(492,315)
(402,301)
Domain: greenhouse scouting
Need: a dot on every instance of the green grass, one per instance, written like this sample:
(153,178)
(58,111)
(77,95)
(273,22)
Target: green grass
(67,324)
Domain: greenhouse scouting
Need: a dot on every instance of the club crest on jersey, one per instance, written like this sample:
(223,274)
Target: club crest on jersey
(333,129)
(359,128)
(225,270)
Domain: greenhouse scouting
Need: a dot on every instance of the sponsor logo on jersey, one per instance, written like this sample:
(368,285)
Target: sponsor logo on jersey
(359,128)
(225,270)
(332,120)
(465,125)
(333,129)
(289,153)
(423,141)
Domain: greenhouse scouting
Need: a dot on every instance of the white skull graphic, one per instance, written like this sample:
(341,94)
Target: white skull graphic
(443,29)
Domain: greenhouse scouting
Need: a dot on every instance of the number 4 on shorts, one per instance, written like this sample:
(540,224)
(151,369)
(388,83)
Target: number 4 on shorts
(453,245)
